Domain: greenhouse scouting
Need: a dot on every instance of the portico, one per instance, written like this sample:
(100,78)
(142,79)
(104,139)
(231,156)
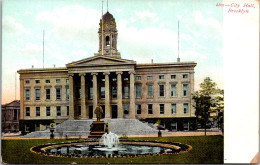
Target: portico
(103,85)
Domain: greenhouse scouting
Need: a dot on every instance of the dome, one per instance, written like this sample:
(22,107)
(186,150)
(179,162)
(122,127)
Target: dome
(108,17)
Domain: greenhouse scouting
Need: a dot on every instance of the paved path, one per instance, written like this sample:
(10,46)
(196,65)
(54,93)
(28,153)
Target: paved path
(170,134)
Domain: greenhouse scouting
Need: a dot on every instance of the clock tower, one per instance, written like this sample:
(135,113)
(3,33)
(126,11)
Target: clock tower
(108,36)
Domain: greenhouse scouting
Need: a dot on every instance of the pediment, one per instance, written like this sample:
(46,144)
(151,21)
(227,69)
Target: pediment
(14,103)
(100,61)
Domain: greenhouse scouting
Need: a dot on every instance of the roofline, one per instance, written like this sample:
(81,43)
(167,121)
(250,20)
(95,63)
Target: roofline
(172,64)
(43,70)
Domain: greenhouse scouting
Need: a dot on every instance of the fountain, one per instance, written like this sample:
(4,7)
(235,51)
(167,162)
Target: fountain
(108,145)
(109,140)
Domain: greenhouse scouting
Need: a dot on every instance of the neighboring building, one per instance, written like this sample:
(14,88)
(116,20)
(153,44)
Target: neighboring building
(10,117)
(122,87)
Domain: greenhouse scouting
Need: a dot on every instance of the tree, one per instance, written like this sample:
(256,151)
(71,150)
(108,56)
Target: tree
(208,101)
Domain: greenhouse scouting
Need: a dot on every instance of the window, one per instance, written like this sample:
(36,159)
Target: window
(58,110)
(150,108)
(79,109)
(102,92)
(173,76)
(48,111)
(186,125)
(27,109)
(138,109)
(47,81)
(38,111)
(185,108)
(149,77)
(161,76)
(173,108)
(185,89)
(27,81)
(91,93)
(103,79)
(37,94)
(107,41)
(174,126)
(114,92)
(78,93)
(126,109)
(161,108)
(138,91)
(161,87)
(67,81)
(57,80)
(150,90)
(37,81)
(173,90)
(27,94)
(138,78)
(67,93)
(126,94)
(185,76)
(58,93)
(68,110)
(48,93)
(125,79)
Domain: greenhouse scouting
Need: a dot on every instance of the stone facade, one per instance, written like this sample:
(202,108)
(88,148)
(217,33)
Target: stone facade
(122,87)
(10,117)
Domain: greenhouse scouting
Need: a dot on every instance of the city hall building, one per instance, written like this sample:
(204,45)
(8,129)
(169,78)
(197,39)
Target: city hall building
(123,88)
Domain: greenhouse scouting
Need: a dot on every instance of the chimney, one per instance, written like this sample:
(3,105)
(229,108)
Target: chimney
(32,66)
(178,59)
(152,61)
(53,65)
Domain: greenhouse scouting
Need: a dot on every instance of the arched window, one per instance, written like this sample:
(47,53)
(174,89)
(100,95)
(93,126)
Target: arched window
(107,41)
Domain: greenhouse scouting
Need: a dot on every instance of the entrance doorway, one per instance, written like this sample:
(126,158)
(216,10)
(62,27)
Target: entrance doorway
(104,111)
(114,111)
(90,115)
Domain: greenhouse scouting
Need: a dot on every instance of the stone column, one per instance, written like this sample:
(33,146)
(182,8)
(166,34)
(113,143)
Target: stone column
(132,95)
(83,96)
(107,96)
(120,111)
(94,92)
(71,99)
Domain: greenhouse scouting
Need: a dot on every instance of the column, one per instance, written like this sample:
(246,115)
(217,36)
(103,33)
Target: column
(83,96)
(120,111)
(107,96)
(87,97)
(71,99)
(132,95)
(94,92)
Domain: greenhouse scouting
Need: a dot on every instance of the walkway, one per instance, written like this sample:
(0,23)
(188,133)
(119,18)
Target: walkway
(170,134)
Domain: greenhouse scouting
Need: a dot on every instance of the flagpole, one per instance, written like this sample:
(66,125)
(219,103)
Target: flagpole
(102,51)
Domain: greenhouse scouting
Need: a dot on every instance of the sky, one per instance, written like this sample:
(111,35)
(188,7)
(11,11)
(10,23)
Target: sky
(147,29)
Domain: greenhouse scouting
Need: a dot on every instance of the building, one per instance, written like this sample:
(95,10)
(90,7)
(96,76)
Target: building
(10,117)
(122,87)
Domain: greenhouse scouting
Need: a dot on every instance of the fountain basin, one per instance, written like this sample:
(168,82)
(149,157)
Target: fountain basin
(94,149)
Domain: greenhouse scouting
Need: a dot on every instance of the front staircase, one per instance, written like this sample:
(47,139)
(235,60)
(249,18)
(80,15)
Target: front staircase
(72,128)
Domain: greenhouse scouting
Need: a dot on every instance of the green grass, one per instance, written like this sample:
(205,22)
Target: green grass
(205,149)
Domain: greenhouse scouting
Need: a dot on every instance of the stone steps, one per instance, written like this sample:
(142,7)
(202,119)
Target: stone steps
(82,128)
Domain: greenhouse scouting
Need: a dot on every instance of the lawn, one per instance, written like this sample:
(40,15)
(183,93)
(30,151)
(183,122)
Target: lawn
(205,149)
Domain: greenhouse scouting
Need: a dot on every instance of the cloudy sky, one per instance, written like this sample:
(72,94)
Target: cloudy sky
(148,29)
